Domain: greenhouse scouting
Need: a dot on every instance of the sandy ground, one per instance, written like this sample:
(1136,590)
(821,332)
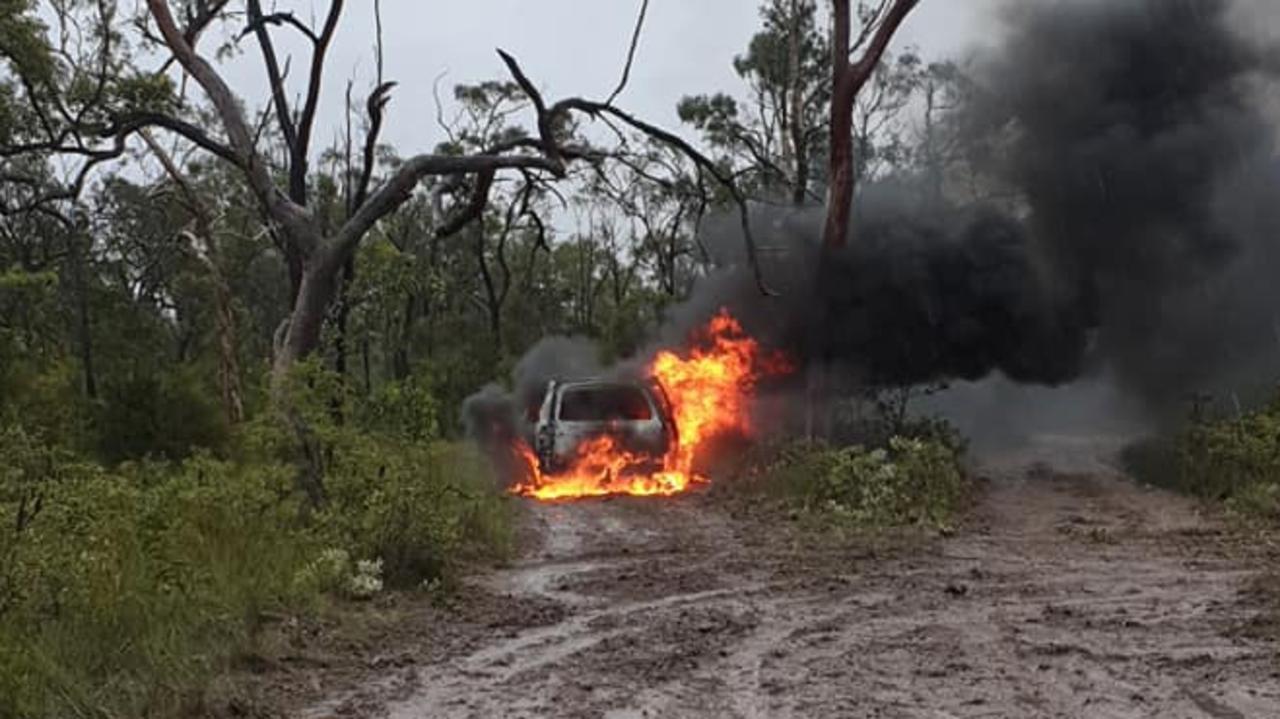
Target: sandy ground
(1069,592)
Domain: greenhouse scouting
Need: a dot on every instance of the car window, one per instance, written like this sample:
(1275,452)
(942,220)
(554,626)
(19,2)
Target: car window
(604,404)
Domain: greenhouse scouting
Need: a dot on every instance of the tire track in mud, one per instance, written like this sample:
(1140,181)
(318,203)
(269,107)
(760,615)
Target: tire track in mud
(1068,593)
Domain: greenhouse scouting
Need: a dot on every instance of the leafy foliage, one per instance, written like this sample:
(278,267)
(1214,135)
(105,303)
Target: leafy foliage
(23,39)
(1236,460)
(122,591)
(910,482)
(147,525)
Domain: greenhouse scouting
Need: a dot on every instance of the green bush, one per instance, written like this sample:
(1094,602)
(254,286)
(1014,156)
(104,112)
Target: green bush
(1235,460)
(419,508)
(912,482)
(124,590)
(1220,459)
(405,409)
(166,415)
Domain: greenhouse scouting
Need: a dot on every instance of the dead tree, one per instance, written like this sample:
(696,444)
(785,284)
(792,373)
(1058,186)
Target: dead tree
(315,254)
(317,258)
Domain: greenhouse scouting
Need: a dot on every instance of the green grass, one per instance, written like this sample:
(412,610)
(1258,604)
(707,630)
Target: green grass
(129,590)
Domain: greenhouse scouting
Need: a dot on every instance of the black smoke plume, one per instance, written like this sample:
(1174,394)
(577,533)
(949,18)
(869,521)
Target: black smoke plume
(1132,229)
(1141,237)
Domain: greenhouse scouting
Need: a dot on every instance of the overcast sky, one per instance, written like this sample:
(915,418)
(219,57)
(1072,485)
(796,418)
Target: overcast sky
(568,47)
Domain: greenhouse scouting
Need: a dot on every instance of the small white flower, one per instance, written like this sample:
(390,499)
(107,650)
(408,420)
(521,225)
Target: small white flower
(367,579)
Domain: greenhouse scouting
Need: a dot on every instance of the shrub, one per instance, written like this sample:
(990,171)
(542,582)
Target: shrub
(421,507)
(126,590)
(405,409)
(1220,459)
(912,482)
(123,591)
(418,508)
(1235,460)
(166,415)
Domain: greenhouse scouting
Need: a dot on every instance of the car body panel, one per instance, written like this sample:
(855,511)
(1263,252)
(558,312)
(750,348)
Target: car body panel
(637,414)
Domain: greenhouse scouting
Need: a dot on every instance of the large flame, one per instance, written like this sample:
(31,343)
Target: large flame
(710,388)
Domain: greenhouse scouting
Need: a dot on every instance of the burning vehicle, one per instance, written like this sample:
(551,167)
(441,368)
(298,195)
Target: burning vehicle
(637,415)
(595,438)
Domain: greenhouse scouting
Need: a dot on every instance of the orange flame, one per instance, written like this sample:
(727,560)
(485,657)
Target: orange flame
(710,390)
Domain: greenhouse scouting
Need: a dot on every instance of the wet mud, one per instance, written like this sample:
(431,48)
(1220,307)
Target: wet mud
(1068,592)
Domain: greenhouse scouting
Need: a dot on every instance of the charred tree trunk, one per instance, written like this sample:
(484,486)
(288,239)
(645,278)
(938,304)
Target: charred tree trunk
(492,301)
(400,357)
(341,347)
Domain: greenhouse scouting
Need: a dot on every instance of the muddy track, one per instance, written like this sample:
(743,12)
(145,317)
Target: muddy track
(1071,592)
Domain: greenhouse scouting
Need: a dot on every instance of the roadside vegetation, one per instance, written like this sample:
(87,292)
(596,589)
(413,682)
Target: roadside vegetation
(891,471)
(232,359)
(125,588)
(1232,459)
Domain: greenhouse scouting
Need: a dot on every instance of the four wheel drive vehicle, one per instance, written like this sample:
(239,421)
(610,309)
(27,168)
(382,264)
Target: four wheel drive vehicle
(637,414)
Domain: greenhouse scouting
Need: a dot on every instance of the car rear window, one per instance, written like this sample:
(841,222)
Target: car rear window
(604,404)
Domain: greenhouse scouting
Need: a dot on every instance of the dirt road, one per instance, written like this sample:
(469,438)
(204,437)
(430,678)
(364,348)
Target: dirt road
(1069,593)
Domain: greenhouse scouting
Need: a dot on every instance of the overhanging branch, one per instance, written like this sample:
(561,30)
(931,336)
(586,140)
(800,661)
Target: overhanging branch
(400,186)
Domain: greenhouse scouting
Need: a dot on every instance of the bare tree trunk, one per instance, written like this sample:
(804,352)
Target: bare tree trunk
(933,158)
(299,337)
(400,358)
(847,80)
(302,334)
(799,150)
(341,346)
(840,177)
(492,297)
(228,359)
(84,326)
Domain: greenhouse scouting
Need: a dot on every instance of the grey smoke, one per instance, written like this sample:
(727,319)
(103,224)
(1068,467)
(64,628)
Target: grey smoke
(1141,251)
(495,415)
(1144,246)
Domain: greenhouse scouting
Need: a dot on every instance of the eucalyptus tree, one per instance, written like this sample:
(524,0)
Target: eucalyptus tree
(780,132)
(120,101)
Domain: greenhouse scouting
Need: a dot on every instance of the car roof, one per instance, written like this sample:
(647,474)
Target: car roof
(598,384)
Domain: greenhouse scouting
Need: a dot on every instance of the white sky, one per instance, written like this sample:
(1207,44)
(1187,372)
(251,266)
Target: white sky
(568,47)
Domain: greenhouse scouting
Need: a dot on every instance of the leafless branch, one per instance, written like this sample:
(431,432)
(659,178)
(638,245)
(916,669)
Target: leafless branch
(699,159)
(275,77)
(399,187)
(239,135)
(306,123)
(631,53)
(546,118)
(280,19)
(374,106)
